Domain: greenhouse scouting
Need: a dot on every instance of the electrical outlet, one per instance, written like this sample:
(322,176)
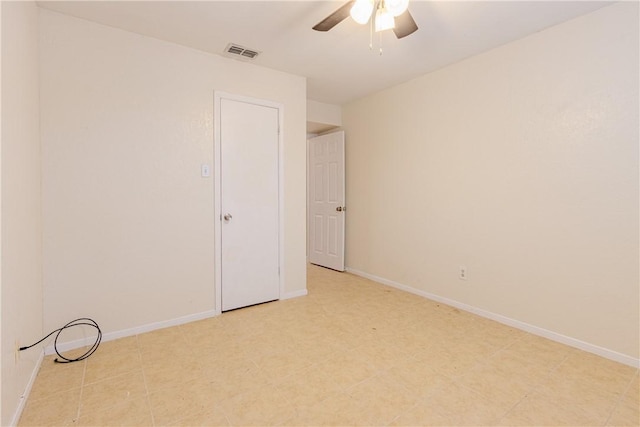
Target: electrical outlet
(462,273)
(16,351)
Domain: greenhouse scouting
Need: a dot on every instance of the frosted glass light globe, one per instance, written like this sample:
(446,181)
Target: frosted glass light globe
(384,20)
(361,11)
(396,7)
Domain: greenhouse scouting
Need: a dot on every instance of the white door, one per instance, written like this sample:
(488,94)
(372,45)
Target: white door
(249,203)
(326,200)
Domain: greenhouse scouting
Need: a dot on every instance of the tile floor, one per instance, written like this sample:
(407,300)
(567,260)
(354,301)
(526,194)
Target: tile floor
(352,352)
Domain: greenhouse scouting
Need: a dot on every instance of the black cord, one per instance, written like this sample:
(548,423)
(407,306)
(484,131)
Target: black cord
(81,321)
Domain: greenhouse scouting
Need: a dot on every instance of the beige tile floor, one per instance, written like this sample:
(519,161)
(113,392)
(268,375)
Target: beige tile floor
(352,352)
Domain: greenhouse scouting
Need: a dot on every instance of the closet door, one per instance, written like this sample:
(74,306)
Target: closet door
(249,203)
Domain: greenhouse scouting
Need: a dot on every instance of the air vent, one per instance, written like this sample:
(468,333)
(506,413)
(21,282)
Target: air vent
(240,52)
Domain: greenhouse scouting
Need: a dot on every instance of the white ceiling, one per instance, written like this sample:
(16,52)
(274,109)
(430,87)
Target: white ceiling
(338,64)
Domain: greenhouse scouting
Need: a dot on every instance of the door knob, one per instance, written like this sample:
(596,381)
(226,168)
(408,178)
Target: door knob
(341,208)
(227,217)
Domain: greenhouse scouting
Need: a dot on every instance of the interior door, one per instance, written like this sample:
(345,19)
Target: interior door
(326,200)
(249,203)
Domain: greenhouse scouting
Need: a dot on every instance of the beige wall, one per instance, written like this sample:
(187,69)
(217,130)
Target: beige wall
(321,114)
(126,123)
(21,202)
(520,164)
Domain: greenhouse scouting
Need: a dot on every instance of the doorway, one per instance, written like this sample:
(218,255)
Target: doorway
(248,199)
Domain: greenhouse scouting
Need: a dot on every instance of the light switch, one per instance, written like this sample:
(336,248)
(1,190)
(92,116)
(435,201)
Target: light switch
(205,171)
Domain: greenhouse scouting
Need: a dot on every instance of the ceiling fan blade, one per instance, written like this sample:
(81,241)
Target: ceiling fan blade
(335,18)
(405,25)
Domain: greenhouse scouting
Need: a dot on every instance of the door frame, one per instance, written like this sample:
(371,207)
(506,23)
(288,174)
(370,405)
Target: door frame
(217,189)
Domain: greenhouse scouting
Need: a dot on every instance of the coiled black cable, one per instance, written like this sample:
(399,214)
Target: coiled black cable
(78,322)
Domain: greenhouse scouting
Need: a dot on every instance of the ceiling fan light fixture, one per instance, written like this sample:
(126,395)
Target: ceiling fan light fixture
(396,7)
(361,11)
(384,19)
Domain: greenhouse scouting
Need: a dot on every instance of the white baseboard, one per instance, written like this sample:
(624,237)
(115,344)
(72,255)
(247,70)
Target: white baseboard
(294,294)
(554,336)
(23,399)
(110,336)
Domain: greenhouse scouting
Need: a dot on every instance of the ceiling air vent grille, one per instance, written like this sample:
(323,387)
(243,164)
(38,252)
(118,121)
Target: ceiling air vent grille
(240,52)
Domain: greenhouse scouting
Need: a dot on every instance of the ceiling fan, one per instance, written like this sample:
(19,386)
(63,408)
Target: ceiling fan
(389,14)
